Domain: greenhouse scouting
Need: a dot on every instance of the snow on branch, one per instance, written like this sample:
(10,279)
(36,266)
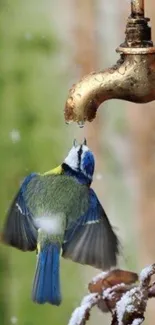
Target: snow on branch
(123,293)
(81,314)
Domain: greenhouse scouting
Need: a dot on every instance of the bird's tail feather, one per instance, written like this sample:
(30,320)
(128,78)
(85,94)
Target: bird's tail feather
(46,285)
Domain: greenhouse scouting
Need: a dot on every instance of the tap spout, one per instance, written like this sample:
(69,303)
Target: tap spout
(86,96)
(132,78)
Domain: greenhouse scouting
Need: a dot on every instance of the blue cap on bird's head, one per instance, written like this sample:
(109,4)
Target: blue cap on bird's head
(81,159)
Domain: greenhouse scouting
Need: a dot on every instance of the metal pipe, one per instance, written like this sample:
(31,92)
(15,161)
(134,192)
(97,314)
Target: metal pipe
(132,78)
(137,8)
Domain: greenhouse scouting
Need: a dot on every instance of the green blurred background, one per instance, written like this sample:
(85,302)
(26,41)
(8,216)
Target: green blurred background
(45,46)
(32,89)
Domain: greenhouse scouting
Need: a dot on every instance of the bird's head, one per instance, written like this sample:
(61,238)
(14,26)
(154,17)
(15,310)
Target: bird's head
(81,159)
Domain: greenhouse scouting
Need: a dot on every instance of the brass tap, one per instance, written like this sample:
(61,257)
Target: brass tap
(132,78)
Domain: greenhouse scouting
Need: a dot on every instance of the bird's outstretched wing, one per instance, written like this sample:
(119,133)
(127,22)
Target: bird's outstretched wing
(19,230)
(91,239)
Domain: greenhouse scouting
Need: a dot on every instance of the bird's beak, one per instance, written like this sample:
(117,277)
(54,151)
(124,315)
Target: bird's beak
(75,143)
(85,142)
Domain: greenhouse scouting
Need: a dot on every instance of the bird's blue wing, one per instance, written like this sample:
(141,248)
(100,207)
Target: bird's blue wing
(19,230)
(91,239)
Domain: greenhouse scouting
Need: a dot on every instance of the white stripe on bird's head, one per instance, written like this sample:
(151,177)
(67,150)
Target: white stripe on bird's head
(81,159)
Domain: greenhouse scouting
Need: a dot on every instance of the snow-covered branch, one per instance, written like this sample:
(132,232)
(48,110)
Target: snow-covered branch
(123,293)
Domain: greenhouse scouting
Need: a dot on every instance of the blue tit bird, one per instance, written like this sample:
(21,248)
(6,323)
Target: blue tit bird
(58,213)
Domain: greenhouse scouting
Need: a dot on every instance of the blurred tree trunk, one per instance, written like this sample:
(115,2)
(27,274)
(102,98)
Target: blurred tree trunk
(142,127)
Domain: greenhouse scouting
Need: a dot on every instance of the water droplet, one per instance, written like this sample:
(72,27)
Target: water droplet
(99,176)
(13,320)
(15,135)
(81,124)
(28,36)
